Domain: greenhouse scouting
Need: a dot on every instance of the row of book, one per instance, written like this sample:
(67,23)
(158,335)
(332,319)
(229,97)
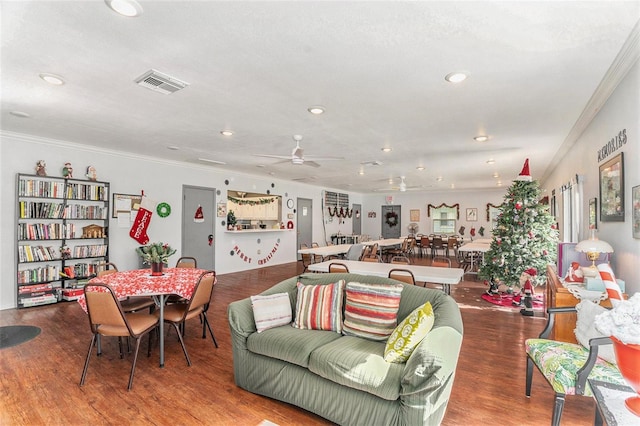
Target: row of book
(39,275)
(78,211)
(41,188)
(46,231)
(94,250)
(36,299)
(80,191)
(80,270)
(29,253)
(40,210)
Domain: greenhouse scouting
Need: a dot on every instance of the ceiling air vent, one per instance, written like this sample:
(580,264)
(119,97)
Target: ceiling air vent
(159,82)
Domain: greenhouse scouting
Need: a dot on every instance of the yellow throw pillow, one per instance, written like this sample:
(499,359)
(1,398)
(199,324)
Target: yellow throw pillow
(408,334)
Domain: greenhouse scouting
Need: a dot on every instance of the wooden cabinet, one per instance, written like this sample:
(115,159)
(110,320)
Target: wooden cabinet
(61,235)
(558,296)
(255,209)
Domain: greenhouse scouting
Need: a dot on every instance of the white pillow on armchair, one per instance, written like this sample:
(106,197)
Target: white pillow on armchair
(586,329)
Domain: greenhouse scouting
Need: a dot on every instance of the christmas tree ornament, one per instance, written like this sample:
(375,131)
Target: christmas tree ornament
(518,205)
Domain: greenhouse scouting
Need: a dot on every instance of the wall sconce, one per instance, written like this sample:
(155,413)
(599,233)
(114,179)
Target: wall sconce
(593,247)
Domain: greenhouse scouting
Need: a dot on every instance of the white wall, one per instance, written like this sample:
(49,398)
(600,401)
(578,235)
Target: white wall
(161,181)
(622,111)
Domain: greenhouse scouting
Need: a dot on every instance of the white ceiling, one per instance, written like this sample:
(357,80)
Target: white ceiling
(377,67)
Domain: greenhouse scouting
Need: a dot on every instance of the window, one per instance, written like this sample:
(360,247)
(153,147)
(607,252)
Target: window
(444,220)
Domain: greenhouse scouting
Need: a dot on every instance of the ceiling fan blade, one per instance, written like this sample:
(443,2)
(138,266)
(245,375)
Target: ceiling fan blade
(314,157)
(283,157)
(311,163)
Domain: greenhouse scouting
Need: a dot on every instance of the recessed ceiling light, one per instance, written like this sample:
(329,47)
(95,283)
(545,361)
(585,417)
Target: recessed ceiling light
(453,186)
(260,165)
(499,183)
(173,148)
(20,114)
(496,175)
(361,172)
(421,168)
(481,138)
(491,161)
(316,110)
(128,8)
(52,79)
(386,149)
(226,133)
(455,77)
(439,178)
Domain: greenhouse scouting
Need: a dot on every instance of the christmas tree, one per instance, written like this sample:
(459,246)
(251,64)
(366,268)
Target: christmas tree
(525,236)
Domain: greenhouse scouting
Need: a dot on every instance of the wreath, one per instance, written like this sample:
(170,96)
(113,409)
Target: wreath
(391,219)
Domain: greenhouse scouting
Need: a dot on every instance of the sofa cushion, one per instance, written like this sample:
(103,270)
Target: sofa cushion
(289,344)
(586,329)
(319,307)
(408,334)
(371,310)
(357,363)
(271,310)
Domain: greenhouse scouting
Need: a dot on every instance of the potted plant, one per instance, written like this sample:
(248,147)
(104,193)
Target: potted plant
(231,220)
(156,255)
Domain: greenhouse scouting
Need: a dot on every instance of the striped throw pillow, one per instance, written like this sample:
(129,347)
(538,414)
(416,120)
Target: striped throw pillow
(271,311)
(371,310)
(319,307)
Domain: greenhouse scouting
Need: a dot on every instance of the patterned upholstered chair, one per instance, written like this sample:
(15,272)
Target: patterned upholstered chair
(566,366)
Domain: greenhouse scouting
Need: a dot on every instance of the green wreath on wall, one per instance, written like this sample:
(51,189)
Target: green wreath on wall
(391,219)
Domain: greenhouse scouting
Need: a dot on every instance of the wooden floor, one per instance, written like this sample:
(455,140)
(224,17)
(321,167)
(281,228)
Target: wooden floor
(39,379)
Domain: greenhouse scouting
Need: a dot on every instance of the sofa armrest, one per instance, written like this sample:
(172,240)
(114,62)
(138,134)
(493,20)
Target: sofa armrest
(429,372)
(241,321)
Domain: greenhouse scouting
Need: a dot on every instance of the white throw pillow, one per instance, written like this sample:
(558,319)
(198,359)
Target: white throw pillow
(271,311)
(586,329)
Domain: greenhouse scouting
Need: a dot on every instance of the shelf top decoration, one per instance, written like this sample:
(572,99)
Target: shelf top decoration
(155,252)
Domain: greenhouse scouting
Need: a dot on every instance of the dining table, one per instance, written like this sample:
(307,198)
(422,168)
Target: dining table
(325,251)
(475,248)
(428,274)
(140,282)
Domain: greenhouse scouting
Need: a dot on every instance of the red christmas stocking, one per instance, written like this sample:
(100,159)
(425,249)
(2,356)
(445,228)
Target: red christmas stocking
(139,228)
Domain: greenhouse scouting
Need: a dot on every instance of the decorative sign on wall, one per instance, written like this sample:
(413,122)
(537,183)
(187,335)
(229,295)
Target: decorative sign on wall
(613,145)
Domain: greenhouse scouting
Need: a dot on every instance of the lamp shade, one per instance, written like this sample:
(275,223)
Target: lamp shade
(594,245)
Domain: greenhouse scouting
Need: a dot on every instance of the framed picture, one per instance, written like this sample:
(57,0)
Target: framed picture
(414,215)
(612,190)
(635,215)
(125,203)
(593,213)
(472,215)
(222,209)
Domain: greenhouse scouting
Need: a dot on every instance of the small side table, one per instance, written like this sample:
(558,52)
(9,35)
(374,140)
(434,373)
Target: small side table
(610,404)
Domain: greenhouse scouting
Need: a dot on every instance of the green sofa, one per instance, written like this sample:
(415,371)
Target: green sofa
(344,378)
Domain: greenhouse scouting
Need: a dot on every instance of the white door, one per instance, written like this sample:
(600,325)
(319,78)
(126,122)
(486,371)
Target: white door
(305,228)
(198,225)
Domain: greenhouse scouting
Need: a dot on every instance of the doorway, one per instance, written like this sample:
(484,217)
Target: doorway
(391,223)
(305,222)
(356,222)
(198,225)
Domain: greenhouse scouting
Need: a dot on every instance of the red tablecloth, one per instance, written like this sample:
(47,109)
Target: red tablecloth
(138,282)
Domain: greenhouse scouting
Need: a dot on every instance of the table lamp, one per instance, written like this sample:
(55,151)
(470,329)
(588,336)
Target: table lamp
(593,247)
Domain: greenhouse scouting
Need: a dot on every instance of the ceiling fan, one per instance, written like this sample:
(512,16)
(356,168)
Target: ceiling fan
(402,186)
(297,156)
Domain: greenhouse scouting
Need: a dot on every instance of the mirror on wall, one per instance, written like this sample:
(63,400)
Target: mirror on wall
(254,210)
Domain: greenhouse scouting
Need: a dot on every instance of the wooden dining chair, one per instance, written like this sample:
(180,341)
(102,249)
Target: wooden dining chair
(105,268)
(305,257)
(338,267)
(107,318)
(178,313)
(375,259)
(403,275)
(441,262)
(400,260)
(187,262)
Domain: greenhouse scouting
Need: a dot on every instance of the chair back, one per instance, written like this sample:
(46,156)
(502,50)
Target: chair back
(106,268)
(338,267)
(374,250)
(187,262)
(306,257)
(366,252)
(452,242)
(403,275)
(400,260)
(375,259)
(202,291)
(104,311)
(354,252)
(441,262)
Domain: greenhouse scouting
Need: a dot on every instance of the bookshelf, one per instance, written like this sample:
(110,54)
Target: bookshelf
(61,236)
